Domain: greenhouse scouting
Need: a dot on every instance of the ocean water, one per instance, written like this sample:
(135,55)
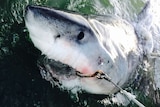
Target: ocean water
(21,84)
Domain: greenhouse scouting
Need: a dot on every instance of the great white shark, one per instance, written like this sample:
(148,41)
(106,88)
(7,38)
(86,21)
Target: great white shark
(85,44)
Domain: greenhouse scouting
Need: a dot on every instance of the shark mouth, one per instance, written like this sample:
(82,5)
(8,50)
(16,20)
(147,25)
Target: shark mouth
(63,76)
(57,73)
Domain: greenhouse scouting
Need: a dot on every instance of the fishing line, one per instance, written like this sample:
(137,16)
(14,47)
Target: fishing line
(101,75)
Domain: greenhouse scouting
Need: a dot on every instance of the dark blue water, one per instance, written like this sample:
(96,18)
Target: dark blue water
(21,84)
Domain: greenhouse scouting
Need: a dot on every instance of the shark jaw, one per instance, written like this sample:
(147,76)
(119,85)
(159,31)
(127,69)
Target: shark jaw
(85,45)
(66,78)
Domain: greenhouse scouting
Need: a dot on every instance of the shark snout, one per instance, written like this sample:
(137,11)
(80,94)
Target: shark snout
(45,12)
(40,12)
(30,9)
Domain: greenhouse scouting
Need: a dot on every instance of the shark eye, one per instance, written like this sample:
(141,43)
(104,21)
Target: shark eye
(80,36)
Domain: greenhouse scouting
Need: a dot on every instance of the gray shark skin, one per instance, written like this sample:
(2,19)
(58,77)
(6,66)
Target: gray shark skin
(86,45)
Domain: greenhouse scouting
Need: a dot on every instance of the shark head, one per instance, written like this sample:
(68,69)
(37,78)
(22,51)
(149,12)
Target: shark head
(72,40)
